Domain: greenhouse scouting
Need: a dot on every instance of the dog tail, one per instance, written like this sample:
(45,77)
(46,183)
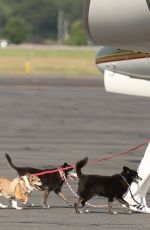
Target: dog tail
(10,162)
(79,165)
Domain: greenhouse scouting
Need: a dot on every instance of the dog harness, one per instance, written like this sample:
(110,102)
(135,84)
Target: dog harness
(13,186)
(26,184)
(18,181)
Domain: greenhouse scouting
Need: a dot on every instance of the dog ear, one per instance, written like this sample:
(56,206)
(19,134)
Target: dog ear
(65,165)
(126,169)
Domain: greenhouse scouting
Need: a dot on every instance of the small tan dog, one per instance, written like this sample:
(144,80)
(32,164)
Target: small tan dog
(18,189)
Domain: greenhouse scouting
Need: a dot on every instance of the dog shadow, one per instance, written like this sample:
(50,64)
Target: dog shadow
(48,208)
(119,212)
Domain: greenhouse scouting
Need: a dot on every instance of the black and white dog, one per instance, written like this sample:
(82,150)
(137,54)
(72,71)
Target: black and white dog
(114,186)
(50,182)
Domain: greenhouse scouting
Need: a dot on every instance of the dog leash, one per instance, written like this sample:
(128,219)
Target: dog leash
(76,195)
(130,190)
(63,177)
(114,155)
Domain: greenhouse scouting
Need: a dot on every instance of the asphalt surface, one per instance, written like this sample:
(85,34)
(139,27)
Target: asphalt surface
(63,120)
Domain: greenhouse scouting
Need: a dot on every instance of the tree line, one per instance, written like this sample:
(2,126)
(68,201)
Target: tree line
(42,21)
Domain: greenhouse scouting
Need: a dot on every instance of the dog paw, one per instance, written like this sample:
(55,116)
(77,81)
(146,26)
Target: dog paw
(28,204)
(86,211)
(114,212)
(3,206)
(18,208)
(80,212)
(70,205)
(46,206)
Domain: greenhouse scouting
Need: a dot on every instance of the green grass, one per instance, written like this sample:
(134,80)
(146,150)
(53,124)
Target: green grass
(21,52)
(48,61)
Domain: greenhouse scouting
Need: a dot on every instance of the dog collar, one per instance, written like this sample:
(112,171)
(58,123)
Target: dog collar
(125,180)
(62,174)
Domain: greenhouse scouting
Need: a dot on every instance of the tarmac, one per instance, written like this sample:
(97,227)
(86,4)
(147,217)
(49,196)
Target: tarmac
(49,121)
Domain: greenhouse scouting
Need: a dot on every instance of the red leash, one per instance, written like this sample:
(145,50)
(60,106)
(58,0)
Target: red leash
(92,161)
(117,154)
(54,171)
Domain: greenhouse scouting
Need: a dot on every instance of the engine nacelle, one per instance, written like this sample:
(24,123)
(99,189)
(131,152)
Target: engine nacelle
(119,23)
(124,84)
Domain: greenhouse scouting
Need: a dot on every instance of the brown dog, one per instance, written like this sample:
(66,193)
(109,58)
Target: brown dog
(50,182)
(18,189)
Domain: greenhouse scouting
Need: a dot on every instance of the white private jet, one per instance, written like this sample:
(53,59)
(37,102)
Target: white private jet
(125,26)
